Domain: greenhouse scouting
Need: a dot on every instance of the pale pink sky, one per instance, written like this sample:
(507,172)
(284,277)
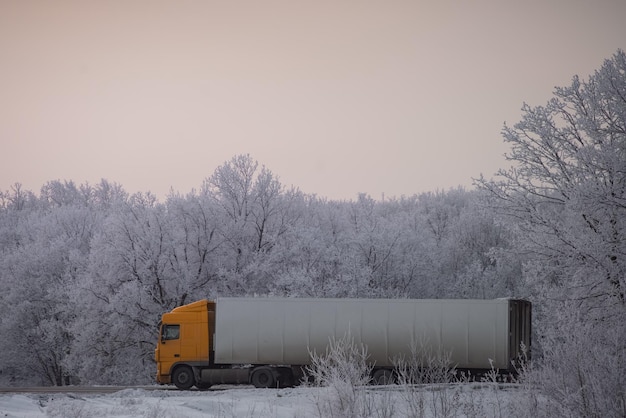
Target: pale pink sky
(334,97)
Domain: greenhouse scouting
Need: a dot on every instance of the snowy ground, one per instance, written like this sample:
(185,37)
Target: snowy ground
(468,400)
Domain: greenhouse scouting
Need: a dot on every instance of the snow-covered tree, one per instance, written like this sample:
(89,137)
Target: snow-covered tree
(128,284)
(568,182)
(40,267)
(247,201)
(566,193)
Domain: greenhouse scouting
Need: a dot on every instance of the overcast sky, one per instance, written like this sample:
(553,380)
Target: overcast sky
(334,97)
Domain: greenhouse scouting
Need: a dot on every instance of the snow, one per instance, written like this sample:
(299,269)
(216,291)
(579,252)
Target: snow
(20,406)
(391,401)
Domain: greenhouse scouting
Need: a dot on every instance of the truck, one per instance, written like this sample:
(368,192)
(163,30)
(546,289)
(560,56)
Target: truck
(268,341)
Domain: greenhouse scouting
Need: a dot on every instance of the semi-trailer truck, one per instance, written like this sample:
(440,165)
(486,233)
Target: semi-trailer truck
(267,342)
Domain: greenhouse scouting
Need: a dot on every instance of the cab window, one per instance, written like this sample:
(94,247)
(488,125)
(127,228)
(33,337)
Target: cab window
(170,332)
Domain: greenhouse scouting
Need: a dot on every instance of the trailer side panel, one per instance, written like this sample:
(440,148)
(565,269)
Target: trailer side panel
(285,330)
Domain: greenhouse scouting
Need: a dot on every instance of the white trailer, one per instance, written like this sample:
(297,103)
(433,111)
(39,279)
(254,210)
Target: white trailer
(285,331)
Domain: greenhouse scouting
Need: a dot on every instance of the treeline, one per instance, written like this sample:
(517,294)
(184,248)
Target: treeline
(88,270)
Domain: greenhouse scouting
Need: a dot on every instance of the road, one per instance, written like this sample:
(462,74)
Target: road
(79,389)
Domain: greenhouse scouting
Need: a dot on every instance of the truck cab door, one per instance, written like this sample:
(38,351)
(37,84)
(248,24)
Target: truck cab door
(169,349)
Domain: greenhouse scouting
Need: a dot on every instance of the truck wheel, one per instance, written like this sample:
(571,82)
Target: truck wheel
(183,377)
(263,378)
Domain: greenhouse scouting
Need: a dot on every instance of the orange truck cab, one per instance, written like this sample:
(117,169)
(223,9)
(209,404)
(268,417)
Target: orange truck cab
(184,342)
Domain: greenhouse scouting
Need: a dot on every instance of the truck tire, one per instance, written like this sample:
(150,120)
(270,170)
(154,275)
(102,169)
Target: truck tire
(263,377)
(183,377)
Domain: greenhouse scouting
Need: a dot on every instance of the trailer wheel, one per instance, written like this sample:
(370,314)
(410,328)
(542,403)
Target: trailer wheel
(383,377)
(203,386)
(183,377)
(263,377)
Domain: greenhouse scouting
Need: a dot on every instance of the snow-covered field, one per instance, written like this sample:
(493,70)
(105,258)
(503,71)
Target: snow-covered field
(460,400)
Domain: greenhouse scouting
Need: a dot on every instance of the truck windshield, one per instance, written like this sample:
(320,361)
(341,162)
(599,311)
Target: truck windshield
(170,332)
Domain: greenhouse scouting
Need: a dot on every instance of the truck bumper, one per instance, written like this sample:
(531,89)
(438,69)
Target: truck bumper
(163,379)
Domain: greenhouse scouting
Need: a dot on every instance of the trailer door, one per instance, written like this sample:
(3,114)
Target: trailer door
(519,329)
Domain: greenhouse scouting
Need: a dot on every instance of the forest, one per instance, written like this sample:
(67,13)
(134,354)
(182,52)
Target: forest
(87,269)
